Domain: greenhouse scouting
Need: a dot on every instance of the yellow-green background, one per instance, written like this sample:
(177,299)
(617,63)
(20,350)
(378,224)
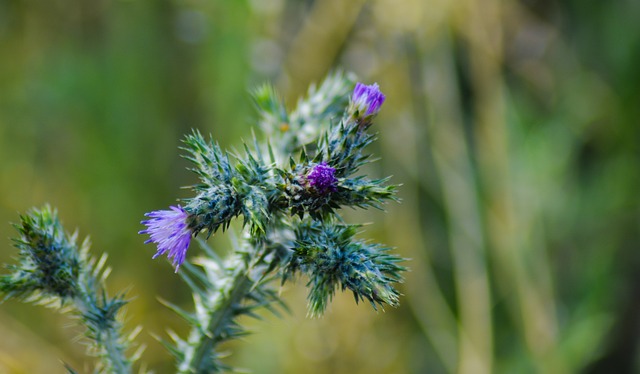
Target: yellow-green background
(511,125)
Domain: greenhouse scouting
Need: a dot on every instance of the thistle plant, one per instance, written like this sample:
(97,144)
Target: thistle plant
(288,189)
(54,270)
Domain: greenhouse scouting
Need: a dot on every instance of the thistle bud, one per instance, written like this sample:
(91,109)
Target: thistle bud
(366,100)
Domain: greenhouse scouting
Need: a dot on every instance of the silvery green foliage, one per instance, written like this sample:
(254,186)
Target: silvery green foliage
(288,190)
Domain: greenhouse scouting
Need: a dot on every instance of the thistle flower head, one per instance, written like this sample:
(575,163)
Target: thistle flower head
(49,261)
(322,178)
(170,231)
(333,259)
(367,100)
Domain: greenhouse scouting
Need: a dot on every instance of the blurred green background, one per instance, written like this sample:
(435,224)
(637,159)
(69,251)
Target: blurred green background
(512,126)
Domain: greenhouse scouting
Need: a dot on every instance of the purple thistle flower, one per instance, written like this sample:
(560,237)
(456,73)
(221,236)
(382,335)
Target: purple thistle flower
(169,230)
(322,178)
(367,99)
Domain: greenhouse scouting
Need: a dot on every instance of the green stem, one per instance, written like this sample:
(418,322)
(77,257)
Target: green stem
(108,338)
(204,340)
(115,354)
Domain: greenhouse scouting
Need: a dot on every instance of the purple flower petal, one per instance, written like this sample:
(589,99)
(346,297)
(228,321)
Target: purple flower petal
(322,178)
(367,99)
(169,230)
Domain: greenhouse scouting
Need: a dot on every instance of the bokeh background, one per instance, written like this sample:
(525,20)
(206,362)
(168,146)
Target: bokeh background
(511,124)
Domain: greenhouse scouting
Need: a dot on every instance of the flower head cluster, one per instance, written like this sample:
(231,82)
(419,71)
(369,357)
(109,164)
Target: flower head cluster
(322,178)
(290,220)
(367,100)
(289,214)
(170,231)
